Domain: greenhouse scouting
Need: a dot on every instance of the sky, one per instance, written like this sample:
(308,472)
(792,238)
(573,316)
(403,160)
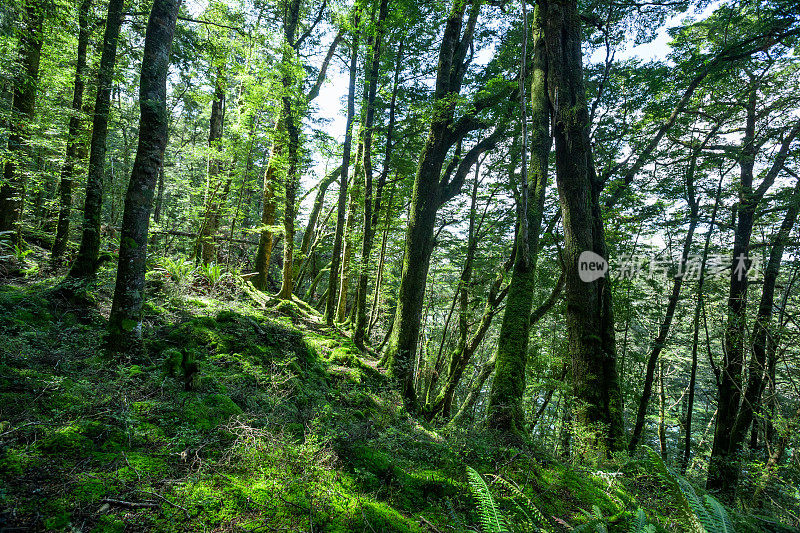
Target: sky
(330,102)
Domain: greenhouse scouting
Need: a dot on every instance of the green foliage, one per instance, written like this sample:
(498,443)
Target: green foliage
(706,515)
(211,273)
(492,519)
(179,270)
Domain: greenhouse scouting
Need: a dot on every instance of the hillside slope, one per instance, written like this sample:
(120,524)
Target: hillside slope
(254,417)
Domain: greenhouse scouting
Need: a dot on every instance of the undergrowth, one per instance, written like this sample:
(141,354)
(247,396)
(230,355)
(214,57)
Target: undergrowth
(252,416)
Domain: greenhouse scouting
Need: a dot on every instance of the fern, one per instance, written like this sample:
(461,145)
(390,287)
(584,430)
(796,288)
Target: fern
(704,516)
(719,516)
(640,525)
(529,510)
(596,523)
(492,519)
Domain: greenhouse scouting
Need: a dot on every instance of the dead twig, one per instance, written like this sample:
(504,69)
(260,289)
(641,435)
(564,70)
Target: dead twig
(130,505)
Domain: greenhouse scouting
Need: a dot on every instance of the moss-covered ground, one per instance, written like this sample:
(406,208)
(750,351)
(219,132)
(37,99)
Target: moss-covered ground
(244,415)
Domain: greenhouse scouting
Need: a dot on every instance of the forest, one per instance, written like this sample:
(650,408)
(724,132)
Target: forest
(398,265)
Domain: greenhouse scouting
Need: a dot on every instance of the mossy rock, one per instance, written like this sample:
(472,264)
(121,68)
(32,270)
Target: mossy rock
(67,440)
(343,357)
(290,309)
(209,411)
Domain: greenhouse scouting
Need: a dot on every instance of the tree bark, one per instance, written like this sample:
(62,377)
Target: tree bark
(23,106)
(292,126)
(86,263)
(73,136)
(505,402)
(426,199)
(333,275)
(266,239)
(589,317)
(214,196)
(125,319)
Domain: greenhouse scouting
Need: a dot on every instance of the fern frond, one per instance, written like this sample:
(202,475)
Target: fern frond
(529,509)
(718,515)
(492,519)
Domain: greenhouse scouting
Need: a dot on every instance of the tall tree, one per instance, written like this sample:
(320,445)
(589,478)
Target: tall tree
(589,317)
(370,211)
(331,305)
(432,189)
(85,264)
(723,465)
(505,401)
(23,106)
(677,283)
(73,140)
(125,320)
(271,175)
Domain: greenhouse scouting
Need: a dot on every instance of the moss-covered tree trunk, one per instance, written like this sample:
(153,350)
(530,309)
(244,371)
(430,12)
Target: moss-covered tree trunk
(349,242)
(370,210)
(73,136)
(23,105)
(589,318)
(215,193)
(331,304)
(426,199)
(505,412)
(266,238)
(289,109)
(86,262)
(125,321)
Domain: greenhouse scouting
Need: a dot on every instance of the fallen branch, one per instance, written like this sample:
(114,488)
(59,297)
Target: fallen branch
(130,505)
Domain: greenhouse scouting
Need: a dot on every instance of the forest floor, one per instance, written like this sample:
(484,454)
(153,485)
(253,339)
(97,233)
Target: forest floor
(243,415)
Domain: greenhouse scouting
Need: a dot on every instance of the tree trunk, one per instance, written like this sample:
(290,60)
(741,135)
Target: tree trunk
(85,264)
(590,322)
(125,320)
(266,239)
(214,196)
(370,211)
(426,199)
(23,105)
(687,446)
(73,133)
(723,467)
(333,275)
(672,303)
(381,263)
(505,402)
(349,244)
(755,381)
(291,178)
(159,196)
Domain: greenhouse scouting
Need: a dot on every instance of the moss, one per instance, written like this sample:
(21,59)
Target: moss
(67,440)
(209,411)
(90,487)
(13,462)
